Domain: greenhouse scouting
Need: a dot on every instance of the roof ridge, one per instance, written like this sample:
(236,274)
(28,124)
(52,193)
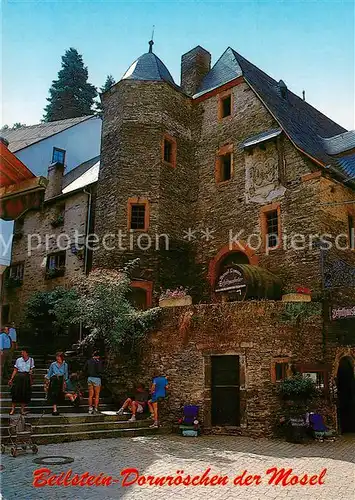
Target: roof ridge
(304,103)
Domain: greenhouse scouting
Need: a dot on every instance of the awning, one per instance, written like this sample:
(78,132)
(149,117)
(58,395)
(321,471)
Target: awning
(20,189)
(260,138)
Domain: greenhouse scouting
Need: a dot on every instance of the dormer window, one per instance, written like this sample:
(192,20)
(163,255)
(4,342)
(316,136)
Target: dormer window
(58,156)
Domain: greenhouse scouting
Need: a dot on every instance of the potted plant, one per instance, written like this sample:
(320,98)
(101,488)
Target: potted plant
(58,221)
(296,394)
(175,298)
(298,294)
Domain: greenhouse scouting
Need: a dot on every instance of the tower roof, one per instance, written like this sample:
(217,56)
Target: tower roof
(148,67)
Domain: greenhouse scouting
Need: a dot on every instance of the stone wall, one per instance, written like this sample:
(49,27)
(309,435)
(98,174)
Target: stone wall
(182,346)
(136,119)
(236,205)
(38,233)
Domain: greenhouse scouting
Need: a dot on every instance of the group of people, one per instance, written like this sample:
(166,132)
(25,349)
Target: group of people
(138,402)
(59,385)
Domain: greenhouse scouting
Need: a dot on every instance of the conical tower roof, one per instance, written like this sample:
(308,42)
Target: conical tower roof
(148,67)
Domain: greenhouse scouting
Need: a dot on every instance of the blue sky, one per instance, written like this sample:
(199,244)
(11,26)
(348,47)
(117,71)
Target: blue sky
(308,44)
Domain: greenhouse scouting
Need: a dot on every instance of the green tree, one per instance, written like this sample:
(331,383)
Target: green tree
(71,95)
(105,310)
(107,85)
(17,125)
(14,126)
(101,303)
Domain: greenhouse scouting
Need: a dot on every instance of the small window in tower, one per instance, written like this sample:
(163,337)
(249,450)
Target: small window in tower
(169,150)
(226,106)
(351,231)
(224,167)
(272,228)
(137,216)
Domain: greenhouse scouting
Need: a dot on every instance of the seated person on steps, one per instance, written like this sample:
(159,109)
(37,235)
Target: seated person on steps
(135,404)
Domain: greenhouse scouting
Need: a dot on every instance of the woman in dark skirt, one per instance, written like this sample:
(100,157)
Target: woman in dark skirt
(57,376)
(21,382)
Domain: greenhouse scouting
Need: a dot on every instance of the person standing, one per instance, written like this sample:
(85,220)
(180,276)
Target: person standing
(5,352)
(158,391)
(13,336)
(21,381)
(58,374)
(94,370)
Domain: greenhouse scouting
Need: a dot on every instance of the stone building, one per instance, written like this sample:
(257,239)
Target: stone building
(254,190)
(48,248)
(234,187)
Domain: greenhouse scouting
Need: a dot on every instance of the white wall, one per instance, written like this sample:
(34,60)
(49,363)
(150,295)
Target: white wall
(81,143)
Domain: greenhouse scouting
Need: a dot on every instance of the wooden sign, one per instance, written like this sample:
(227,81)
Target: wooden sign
(343,312)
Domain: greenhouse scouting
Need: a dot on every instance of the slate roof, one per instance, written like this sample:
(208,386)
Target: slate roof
(23,137)
(309,129)
(340,143)
(148,67)
(80,174)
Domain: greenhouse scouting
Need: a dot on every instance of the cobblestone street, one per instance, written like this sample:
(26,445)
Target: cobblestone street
(165,455)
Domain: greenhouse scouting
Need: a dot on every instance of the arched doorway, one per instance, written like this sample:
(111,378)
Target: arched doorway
(346,395)
(233,258)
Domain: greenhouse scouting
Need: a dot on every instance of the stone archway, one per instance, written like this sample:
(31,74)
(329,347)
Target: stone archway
(245,253)
(346,394)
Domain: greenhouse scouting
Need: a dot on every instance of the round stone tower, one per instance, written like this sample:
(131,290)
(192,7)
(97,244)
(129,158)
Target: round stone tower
(148,181)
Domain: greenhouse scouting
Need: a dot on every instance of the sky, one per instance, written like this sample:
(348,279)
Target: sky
(310,45)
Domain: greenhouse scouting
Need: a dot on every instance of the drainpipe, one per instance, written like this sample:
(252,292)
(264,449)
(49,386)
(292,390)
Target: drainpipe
(88,223)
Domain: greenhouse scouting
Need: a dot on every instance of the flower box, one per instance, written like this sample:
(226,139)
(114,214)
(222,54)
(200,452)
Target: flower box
(186,300)
(296,297)
(55,272)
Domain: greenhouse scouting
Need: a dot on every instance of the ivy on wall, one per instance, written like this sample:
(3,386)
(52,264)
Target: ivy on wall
(294,312)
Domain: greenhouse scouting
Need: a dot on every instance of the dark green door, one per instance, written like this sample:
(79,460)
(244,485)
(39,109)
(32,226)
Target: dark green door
(225,390)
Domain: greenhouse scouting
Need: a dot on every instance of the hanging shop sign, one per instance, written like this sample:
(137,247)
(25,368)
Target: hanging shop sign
(343,312)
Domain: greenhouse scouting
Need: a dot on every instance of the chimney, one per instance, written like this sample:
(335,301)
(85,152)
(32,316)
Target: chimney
(55,178)
(304,95)
(195,64)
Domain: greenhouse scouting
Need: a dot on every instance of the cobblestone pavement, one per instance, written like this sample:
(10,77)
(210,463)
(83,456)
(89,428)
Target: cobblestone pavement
(164,455)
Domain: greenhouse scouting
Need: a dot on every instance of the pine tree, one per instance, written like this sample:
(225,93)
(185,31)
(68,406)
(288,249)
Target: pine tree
(107,85)
(70,95)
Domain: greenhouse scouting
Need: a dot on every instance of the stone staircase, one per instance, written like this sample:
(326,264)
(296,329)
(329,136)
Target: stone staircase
(73,423)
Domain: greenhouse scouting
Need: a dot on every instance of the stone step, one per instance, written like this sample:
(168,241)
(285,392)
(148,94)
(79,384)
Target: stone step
(35,394)
(71,418)
(100,434)
(81,427)
(6,402)
(63,408)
